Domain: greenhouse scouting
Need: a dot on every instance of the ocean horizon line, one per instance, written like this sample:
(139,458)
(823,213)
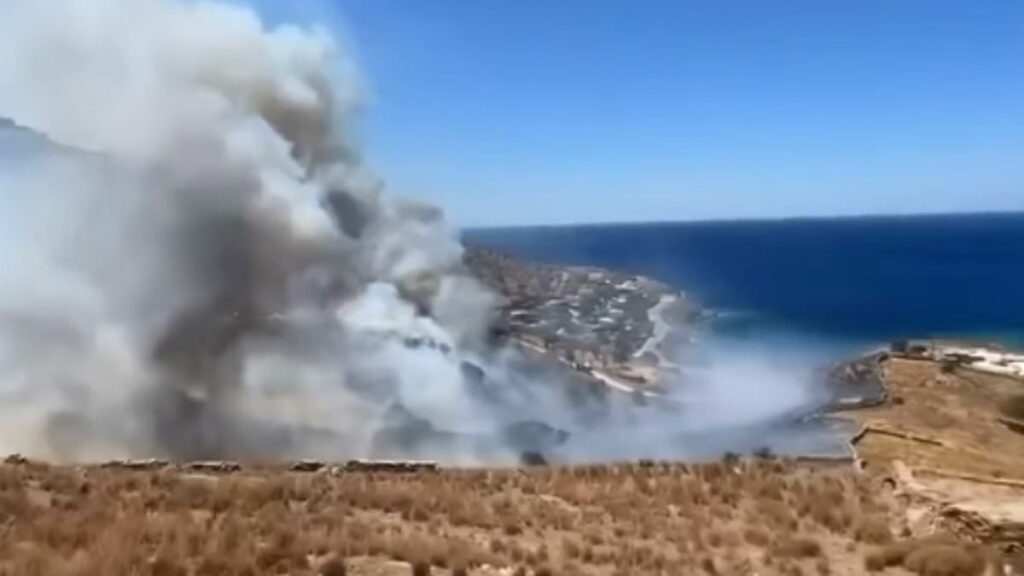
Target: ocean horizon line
(757,220)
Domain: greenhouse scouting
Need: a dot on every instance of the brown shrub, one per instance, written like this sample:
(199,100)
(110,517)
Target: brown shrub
(165,566)
(280,557)
(777,515)
(756,537)
(13,505)
(721,512)
(498,546)
(420,569)
(571,548)
(873,529)
(897,554)
(731,538)
(796,547)
(787,568)
(589,555)
(874,561)
(11,478)
(213,566)
(944,560)
(839,520)
(517,553)
(1013,407)
(334,567)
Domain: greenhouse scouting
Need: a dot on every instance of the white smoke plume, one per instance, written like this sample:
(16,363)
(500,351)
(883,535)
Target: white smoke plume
(199,264)
(207,250)
(740,397)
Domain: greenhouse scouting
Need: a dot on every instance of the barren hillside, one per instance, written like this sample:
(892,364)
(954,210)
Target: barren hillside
(730,517)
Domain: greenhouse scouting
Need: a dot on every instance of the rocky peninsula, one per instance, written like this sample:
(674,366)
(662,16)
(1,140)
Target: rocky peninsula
(616,327)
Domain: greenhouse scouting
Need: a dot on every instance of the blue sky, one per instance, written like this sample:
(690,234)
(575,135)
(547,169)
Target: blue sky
(558,111)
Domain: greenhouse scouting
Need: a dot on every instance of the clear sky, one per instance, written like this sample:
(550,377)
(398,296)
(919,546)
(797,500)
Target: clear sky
(559,111)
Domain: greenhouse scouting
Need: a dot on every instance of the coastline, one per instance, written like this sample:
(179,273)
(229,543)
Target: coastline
(661,329)
(608,325)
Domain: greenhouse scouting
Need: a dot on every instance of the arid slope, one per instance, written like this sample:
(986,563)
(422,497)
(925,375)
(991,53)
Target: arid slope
(732,517)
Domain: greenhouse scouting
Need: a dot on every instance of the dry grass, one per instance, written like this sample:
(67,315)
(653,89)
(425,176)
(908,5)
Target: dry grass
(790,547)
(959,409)
(334,567)
(873,529)
(1013,407)
(945,560)
(647,518)
(940,555)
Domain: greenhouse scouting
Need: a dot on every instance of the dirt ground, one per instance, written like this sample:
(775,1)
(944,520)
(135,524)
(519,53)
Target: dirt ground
(953,417)
(945,438)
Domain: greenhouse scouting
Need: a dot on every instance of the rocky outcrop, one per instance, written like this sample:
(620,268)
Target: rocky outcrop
(147,464)
(393,466)
(213,466)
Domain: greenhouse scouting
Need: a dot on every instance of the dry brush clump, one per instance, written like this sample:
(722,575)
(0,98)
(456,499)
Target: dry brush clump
(940,555)
(873,529)
(631,518)
(333,567)
(796,547)
(1013,407)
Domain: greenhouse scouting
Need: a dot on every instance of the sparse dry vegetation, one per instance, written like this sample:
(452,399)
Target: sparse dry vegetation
(939,555)
(954,451)
(643,518)
(1013,407)
(790,547)
(945,560)
(873,529)
(333,567)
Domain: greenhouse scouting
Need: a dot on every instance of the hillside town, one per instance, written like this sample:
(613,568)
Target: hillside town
(617,326)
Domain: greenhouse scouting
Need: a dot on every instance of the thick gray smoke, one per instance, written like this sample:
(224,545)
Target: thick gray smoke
(195,262)
(205,249)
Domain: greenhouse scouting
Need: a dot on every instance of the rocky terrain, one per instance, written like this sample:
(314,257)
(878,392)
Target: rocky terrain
(949,435)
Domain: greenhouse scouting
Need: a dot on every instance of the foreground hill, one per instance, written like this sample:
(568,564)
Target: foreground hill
(765,517)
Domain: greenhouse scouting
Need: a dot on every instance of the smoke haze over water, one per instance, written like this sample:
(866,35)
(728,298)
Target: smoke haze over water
(201,264)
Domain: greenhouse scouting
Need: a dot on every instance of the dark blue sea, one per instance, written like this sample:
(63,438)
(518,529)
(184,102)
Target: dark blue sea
(859,281)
